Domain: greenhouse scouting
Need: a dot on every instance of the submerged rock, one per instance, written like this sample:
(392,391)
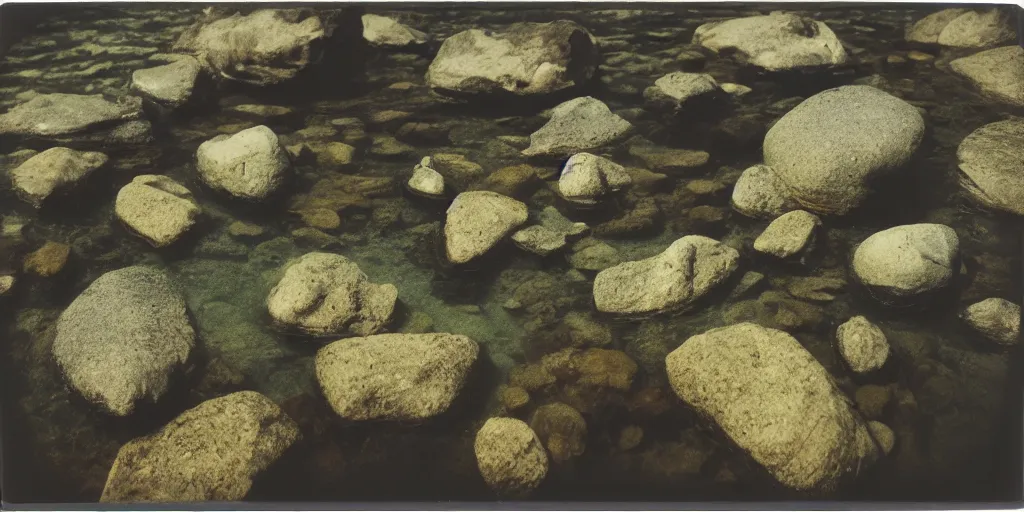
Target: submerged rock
(664,159)
(862,344)
(510,457)
(964,28)
(775,401)
(577,126)
(883,435)
(326,294)
(53,171)
(552,234)
(394,376)
(157,208)
(761,193)
(48,260)
(78,118)
(586,178)
(171,84)
(593,254)
(776,42)
(562,429)
(120,339)
(904,263)
(992,165)
(998,72)
(250,164)
(996,319)
(385,32)
(425,181)
(790,234)
(477,221)
(211,452)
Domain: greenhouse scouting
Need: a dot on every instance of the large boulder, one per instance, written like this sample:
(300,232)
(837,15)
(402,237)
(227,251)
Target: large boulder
(524,59)
(964,28)
(830,148)
(394,376)
(587,178)
(67,118)
(325,294)
(775,401)
(384,32)
(211,452)
(996,319)
(577,126)
(250,164)
(171,85)
(157,208)
(992,165)
(477,221)
(53,171)
(683,273)
(906,263)
(776,42)
(511,458)
(998,72)
(120,340)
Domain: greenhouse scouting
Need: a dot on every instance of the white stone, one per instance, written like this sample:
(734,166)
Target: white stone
(477,221)
(576,126)
(992,165)
(790,234)
(902,263)
(996,319)
(53,171)
(171,84)
(250,164)
(775,42)
(998,72)
(586,178)
(511,458)
(157,208)
(388,33)
(862,344)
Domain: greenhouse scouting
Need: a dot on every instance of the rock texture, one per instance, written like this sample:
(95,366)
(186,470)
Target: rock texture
(552,234)
(964,28)
(562,429)
(171,84)
(789,235)
(511,458)
(80,118)
(862,344)
(384,32)
(996,319)
(683,91)
(998,73)
(587,178)
(157,208)
(425,181)
(776,42)
(250,164)
(53,171)
(760,193)
(478,220)
(577,126)
(992,165)
(905,263)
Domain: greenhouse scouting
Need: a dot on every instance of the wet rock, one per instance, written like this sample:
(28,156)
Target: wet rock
(553,233)
(996,319)
(171,85)
(775,401)
(789,235)
(6,285)
(78,118)
(737,90)
(879,134)
(991,165)
(593,367)
(872,399)
(48,260)
(862,344)
(262,111)
(515,181)
(905,263)
(883,435)
(776,42)
(390,147)
(784,312)
(639,220)
(630,437)
(384,32)
(524,59)
(241,229)
(157,208)
(964,28)
(457,170)
(593,254)
(533,377)
(761,193)
(326,294)
(331,155)
(747,283)
(919,56)
(561,429)
(250,164)
(662,159)
(211,452)
(55,170)
(425,181)
(584,331)
(685,92)
(320,218)
(394,376)
(476,221)
(120,339)
(510,457)
(587,178)
(819,289)
(577,126)
(998,73)
(686,271)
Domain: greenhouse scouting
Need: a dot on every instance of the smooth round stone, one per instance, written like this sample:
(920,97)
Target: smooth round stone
(510,456)
(862,344)
(788,235)
(996,319)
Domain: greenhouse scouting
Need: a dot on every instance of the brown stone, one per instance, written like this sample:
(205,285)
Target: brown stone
(48,260)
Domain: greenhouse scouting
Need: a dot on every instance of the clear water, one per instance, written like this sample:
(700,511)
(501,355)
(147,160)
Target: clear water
(955,400)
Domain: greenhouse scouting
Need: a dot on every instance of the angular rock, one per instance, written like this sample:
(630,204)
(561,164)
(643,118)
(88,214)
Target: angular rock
(905,263)
(384,32)
(171,85)
(964,28)
(157,208)
(761,193)
(577,126)
(78,118)
(553,233)
(992,165)
(996,319)
(53,171)
(684,92)
(476,221)
(776,42)
(998,73)
(586,178)
(425,181)
(250,164)
(862,344)
(790,234)
(510,457)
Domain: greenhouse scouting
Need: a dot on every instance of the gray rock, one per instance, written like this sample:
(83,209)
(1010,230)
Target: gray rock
(998,72)
(683,273)
(171,84)
(394,376)
(384,32)
(593,254)
(862,344)
(157,208)
(996,319)
(927,29)
(425,181)
(120,339)
(477,221)
(830,148)
(586,178)
(326,294)
(510,456)
(789,235)
(211,452)
(680,89)
(250,164)
(775,42)
(55,170)
(576,126)
(761,193)
(992,165)
(964,28)
(903,263)
(79,118)
(552,234)
(775,401)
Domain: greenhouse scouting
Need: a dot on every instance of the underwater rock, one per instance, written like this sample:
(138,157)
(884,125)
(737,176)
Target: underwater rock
(524,59)
(320,218)
(562,429)
(384,32)
(879,134)
(883,435)
(996,319)
(663,159)
(862,344)
(683,273)
(476,221)
(53,171)
(639,220)
(48,260)
(683,92)
(171,84)
(761,193)
(78,118)
(250,164)
(775,401)
(592,367)
(964,28)
(211,452)
(593,254)
(157,208)
(394,376)
(790,234)
(457,170)
(331,155)
(239,229)
(586,178)
(576,126)
(776,42)
(553,233)
(390,147)
(816,288)
(872,400)
(998,73)
(326,294)
(517,181)
(511,458)
(425,180)
(513,398)
(903,263)
(120,339)
(992,165)
(6,284)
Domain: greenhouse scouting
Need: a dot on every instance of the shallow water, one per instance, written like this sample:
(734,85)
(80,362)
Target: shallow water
(955,399)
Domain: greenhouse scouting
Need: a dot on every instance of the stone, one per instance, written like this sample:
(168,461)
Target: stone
(157,208)
(513,181)
(55,170)
(394,376)
(172,84)
(250,164)
(48,260)
(6,285)
(390,147)
(630,437)
(919,56)
(120,340)
(241,229)
(862,344)
(552,234)
(964,28)
(816,288)
(576,126)
(905,263)
(78,118)
(457,170)
(998,73)
(325,294)
(585,331)
(667,159)
(883,435)
(384,32)
(587,178)
(425,180)
(737,90)
(991,161)
(775,401)
(523,59)
(477,221)
(684,91)
(674,279)
(262,111)
(593,254)
(996,319)
(211,452)
(789,235)
(320,218)
(510,456)
(776,42)
(561,429)
(872,400)
(832,146)
(761,193)
(331,155)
